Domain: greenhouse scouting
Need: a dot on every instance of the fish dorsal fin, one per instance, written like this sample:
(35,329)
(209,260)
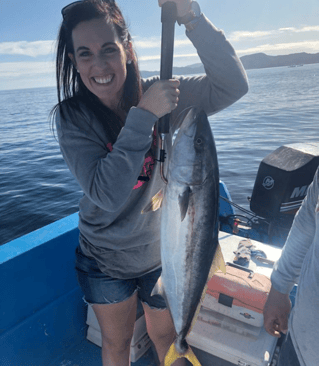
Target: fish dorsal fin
(155,203)
(183,201)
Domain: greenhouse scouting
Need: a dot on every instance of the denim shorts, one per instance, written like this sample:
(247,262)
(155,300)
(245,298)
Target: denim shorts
(98,288)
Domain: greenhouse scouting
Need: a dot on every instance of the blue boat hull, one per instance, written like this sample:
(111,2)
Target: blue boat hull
(42,314)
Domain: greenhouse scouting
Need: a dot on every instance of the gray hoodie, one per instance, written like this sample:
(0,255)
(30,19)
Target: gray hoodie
(125,243)
(299,263)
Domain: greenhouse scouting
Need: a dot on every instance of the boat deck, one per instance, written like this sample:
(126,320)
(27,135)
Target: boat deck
(87,353)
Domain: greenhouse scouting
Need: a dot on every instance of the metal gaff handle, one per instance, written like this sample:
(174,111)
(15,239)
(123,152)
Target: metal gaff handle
(168,19)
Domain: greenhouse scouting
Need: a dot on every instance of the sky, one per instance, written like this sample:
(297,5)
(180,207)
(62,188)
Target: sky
(28,31)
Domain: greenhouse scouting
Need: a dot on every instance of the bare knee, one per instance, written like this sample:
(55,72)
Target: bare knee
(116,345)
(159,326)
(164,339)
(117,325)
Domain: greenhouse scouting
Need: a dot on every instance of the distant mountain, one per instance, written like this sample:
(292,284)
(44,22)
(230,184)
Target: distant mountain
(255,61)
(261,60)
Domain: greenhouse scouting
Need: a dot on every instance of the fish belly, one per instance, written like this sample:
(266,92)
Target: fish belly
(187,249)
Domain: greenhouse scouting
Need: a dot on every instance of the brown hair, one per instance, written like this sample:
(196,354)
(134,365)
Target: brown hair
(69,83)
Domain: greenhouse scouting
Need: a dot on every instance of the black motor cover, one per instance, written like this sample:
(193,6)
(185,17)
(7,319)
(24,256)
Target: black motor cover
(283,178)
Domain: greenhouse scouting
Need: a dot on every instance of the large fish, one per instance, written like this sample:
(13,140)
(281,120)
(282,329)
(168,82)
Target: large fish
(189,227)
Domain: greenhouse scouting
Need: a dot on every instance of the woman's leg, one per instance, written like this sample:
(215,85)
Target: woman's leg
(117,325)
(161,330)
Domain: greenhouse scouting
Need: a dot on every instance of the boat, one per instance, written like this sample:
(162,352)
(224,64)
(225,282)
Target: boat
(43,319)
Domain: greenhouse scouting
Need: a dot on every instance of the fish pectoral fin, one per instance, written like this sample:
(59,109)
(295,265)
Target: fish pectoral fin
(218,262)
(183,201)
(155,203)
(172,355)
(158,288)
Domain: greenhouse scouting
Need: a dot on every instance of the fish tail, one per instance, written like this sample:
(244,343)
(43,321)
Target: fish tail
(172,355)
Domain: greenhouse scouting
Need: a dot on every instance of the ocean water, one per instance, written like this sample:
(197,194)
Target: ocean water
(36,187)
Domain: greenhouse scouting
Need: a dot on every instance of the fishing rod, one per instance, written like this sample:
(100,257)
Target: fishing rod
(168,19)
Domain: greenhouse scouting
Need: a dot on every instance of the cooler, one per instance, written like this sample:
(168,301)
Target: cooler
(233,347)
(229,327)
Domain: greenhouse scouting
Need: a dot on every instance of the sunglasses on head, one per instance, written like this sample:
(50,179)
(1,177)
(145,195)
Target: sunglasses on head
(67,8)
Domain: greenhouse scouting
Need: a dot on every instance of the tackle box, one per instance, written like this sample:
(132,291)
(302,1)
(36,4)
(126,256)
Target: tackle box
(240,294)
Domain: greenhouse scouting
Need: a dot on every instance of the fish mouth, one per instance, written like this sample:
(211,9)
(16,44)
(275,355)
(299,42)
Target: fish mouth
(192,123)
(191,129)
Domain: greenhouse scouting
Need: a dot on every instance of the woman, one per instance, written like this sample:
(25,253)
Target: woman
(105,122)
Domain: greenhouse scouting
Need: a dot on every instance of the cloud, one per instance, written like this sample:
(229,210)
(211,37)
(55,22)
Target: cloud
(241,35)
(21,69)
(157,57)
(147,43)
(308,29)
(245,35)
(282,48)
(288,29)
(33,49)
(155,42)
(44,48)
(314,28)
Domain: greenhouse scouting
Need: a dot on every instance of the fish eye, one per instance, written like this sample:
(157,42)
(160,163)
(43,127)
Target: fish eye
(199,141)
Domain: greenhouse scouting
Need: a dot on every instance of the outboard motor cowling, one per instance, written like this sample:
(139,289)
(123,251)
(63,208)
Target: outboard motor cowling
(283,179)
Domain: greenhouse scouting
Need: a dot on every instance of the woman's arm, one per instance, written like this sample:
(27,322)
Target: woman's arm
(106,178)
(225,81)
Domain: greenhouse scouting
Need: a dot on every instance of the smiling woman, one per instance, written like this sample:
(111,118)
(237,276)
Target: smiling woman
(81,49)
(105,123)
(95,46)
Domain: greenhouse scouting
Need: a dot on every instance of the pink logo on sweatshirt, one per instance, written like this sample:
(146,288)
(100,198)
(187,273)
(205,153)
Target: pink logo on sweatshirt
(148,165)
(146,172)
(109,146)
